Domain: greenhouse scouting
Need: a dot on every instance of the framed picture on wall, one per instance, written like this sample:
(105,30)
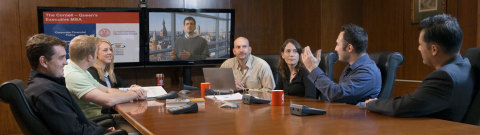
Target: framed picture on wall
(424,8)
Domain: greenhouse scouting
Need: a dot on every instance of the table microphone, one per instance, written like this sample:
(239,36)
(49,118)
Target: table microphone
(213,92)
(249,99)
(303,110)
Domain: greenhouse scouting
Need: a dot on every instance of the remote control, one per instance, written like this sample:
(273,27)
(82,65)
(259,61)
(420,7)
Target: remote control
(169,95)
(248,99)
(190,107)
(303,110)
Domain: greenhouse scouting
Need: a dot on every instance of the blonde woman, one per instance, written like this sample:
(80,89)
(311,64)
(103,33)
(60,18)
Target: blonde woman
(102,70)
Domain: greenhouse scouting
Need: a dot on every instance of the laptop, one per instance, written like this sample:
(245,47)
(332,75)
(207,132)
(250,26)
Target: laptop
(220,78)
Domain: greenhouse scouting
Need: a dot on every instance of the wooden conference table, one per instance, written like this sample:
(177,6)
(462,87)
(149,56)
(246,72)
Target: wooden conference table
(151,117)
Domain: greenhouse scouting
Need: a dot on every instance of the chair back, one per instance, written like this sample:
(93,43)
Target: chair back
(11,92)
(326,64)
(272,60)
(388,63)
(473,113)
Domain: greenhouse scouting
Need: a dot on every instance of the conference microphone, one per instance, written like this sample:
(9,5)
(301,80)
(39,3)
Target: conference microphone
(249,99)
(303,110)
(169,95)
(214,92)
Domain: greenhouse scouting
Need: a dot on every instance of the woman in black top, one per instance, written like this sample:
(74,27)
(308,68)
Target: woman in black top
(294,79)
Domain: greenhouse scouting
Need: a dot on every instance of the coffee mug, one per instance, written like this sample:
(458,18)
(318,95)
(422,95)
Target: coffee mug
(277,97)
(204,86)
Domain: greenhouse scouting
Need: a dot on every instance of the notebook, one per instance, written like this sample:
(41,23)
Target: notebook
(219,78)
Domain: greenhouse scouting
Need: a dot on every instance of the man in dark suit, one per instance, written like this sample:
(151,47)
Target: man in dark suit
(446,92)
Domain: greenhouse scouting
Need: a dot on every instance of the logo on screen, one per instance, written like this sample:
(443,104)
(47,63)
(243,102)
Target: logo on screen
(104,32)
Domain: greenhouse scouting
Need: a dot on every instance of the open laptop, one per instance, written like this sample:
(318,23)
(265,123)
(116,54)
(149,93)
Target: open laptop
(220,78)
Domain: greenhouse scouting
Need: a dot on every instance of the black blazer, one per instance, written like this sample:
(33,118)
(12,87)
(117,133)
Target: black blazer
(300,85)
(445,94)
(120,82)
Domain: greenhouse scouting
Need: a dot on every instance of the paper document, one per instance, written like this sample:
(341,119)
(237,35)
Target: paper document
(229,97)
(154,91)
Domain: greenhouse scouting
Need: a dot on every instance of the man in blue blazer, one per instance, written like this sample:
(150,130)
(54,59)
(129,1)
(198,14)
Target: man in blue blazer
(446,92)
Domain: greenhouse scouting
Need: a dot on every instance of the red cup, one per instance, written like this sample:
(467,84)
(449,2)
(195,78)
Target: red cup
(277,97)
(204,86)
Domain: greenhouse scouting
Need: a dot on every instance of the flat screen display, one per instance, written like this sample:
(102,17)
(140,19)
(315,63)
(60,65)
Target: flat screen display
(121,27)
(172,41)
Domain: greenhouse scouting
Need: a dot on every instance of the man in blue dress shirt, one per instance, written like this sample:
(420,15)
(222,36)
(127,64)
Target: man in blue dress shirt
(359,81)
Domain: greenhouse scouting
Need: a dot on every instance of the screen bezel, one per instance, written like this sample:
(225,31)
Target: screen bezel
(40,11)
(186,62)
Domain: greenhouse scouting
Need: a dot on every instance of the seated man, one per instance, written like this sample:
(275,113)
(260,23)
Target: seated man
(446,92)
(46,90)
(360,80)
(91,95)
(251,72)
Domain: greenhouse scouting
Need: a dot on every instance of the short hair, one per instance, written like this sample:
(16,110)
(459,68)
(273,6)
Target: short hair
(82,46)
(281,62)
(443,30)
(189,18)
(356,36)
(41,45)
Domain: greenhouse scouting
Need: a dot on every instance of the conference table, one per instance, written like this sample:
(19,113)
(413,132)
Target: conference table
(152,117)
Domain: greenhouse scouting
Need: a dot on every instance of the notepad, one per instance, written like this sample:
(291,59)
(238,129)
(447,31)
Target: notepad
(229,97)
(154,91)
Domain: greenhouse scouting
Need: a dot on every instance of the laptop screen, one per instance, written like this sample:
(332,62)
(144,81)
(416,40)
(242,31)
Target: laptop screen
(220,78)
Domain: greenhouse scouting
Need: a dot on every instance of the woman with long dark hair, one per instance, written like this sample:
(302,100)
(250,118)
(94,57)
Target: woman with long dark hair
(294,79)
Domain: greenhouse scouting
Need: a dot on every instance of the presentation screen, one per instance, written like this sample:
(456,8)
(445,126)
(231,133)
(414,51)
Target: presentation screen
(174,40)
(121,27)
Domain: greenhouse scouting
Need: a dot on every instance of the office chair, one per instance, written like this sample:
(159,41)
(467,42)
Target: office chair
(11,92)
(272,60)
(326,64)
(473,113)
(388,63)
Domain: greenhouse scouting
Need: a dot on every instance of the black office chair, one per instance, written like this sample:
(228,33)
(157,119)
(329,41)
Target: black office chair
(272,60)
(473,113)
(11,92)
(387,62)
(326,64)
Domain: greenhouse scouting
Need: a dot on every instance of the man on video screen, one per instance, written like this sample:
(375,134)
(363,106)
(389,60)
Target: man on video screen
(191,46)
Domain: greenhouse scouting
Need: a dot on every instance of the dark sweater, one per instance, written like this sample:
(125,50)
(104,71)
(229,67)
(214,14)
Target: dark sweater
(197,46)
(56,108)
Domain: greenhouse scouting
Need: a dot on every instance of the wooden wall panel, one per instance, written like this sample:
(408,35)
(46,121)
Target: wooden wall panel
(260,22)
(467,19)
(10,62)
(301,21)
(11,50)
(383,27)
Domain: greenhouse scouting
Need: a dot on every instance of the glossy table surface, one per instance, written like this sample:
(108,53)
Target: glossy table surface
(151,117)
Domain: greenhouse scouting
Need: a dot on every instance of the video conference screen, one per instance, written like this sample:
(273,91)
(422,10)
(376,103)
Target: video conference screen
(170,39)
(121,27)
